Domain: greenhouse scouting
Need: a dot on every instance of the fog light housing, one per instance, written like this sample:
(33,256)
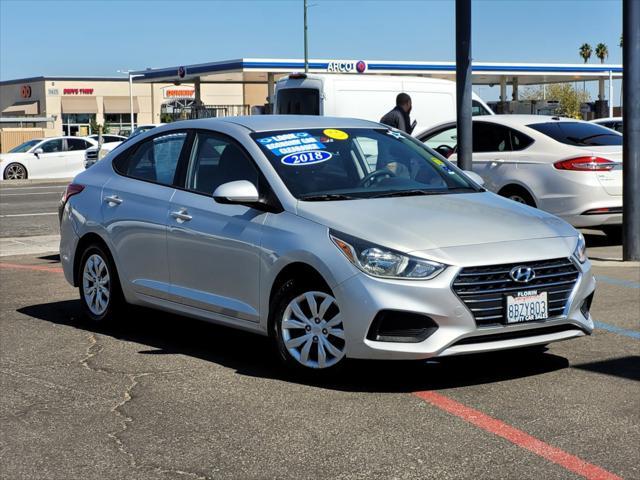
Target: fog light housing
(586,305)
(401,327)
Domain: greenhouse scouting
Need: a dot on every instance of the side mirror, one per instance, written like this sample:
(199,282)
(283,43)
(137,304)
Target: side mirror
(240,191)
(475,177)
(38,151)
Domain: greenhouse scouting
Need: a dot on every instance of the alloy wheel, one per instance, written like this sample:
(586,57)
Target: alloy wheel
(518,198)
(96,284)
(15,171)
(312,330)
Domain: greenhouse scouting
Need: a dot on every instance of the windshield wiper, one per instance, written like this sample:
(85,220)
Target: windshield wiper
(326,197)
(408,193)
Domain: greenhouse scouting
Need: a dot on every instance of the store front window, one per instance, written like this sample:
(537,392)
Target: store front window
(77,124)
(119,122)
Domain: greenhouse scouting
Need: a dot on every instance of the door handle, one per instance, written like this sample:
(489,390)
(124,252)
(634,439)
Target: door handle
(181,215)
(113,200)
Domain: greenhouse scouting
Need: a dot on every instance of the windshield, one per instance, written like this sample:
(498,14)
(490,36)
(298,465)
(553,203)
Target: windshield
(579,134)
(24,147)
(332,164)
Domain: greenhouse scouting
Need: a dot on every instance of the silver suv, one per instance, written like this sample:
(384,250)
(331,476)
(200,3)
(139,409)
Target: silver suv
(336,237)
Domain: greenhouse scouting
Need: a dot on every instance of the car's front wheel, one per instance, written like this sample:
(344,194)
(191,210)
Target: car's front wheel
(99,286)
(15,171)
(308,327)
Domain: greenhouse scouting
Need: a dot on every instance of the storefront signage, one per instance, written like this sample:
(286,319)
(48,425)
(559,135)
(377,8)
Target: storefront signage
(178,92)
(25,91)
(53,92)
(77,91)
(346,66)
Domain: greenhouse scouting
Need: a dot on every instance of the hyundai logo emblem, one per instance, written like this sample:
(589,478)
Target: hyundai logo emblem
(522,274)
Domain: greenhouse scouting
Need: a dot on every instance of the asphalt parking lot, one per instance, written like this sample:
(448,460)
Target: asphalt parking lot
(164,397)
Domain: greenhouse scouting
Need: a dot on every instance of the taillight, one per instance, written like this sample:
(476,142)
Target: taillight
(585,164)
(71,190)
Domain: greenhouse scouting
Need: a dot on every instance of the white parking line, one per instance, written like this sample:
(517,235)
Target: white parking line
(2,194)
(28,214)
(30,188)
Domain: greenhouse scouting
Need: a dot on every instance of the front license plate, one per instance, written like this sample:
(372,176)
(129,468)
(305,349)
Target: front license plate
(527,306)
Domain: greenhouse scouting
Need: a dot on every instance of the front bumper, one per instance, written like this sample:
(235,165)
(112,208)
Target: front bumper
(362,297)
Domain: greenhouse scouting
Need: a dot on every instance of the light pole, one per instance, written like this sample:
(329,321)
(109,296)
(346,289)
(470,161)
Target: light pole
(128,72)
(463,83)
(306,42)
(631,131)
(306,48)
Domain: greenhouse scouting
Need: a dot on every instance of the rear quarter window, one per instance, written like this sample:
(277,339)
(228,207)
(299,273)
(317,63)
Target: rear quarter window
(579,134)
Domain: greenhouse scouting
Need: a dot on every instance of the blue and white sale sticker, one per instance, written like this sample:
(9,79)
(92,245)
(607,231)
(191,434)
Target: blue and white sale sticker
(294,142)
(306,158)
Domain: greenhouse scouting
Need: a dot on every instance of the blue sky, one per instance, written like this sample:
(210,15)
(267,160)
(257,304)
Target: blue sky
(98,37)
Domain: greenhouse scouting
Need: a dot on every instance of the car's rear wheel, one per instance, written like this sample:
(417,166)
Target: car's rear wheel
(98,284)
(307,327)
(15,171)
(518,194)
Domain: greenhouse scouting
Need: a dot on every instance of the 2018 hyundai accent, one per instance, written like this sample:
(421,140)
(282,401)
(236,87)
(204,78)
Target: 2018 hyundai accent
(338,238)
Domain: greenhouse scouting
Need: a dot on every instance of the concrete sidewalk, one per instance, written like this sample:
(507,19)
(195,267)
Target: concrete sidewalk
(29,245)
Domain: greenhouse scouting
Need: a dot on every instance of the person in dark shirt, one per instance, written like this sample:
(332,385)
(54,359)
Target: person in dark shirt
(399,116)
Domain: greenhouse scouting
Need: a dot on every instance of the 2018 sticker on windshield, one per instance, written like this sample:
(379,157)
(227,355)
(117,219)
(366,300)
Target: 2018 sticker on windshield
(288,143)
(306,158)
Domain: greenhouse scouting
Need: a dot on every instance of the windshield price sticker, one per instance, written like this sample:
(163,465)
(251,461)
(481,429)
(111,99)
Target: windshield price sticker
(306,158)
(291,143)
(335,134)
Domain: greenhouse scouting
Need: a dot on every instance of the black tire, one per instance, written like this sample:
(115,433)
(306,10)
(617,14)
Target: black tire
(15,171)
(115,299)
(287,293)
(518,194)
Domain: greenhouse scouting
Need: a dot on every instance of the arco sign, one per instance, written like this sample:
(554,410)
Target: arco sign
(346,66)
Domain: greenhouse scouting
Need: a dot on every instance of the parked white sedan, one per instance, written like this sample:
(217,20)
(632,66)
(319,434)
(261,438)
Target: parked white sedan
(58,157)
(570,168)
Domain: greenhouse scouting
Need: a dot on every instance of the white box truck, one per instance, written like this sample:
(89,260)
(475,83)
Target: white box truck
(369,97)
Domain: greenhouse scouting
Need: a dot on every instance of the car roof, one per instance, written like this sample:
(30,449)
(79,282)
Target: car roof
(518,120)
(262,123)
(607,119)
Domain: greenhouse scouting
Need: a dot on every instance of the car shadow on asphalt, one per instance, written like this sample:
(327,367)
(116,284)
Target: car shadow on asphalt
(625,367)
(249,354)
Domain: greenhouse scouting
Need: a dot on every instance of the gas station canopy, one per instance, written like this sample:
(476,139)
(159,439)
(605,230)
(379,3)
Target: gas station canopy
(253,70)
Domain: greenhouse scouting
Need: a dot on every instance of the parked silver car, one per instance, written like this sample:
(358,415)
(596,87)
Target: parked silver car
(283,226)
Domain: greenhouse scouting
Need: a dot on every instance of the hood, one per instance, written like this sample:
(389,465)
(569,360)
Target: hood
(410,224)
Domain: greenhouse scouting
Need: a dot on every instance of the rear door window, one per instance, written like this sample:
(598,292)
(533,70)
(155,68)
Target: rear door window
(579,134)
(488,137)
(74,144)
(298,101)
(154,160)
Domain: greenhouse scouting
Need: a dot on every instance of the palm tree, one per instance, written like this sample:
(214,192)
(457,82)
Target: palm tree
(585,52)
(602,52)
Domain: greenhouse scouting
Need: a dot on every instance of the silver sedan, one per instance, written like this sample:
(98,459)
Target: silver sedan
(335,237)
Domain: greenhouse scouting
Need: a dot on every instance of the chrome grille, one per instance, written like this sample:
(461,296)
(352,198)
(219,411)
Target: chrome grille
(482,289)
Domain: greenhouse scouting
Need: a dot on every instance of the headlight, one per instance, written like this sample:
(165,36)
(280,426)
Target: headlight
(383,262)
(581,249)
